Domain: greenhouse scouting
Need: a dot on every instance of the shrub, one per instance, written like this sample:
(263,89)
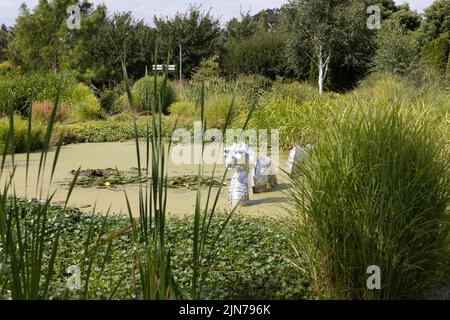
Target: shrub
(397,49)
(292,109)
(37,87)
(21,135)
(89,111)
(261,54)
(83,104)
(208,68)
(6,95)
(252,87)
(109,97)
(183,109)
(5,67)
(43,110)
(144,89)
(217,108)
(212,86)
(77,97)
(448,68)
(374,192)
(436,52)
(185,113)
(248,89)
(299,91)
(216,111)
(123,117)
(110,130)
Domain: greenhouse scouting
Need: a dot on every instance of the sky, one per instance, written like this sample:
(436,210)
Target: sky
(146,9)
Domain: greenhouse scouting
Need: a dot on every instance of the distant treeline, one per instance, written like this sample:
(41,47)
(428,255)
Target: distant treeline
(325,41)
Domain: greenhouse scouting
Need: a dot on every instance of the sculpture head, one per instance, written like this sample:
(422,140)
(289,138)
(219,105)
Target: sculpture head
(238,155)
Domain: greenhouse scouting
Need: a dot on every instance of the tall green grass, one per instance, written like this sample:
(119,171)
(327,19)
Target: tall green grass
(26,275)
(153,259)
(145,97)
(216,111)
(21,91)
(375,191)
(27,249)
(295,109)
(247,88)
(391,89)
(301,115)
(23,139)
(82,104)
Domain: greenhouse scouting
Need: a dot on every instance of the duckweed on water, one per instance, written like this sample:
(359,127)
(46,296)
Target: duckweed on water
(111,178)
(253,259)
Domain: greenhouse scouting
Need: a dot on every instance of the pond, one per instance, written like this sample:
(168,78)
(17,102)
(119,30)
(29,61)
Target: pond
(122,155)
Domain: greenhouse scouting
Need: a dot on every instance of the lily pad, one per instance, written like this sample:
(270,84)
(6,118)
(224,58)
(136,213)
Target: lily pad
(111,178)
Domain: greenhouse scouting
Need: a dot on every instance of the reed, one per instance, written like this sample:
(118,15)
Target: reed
(375,191)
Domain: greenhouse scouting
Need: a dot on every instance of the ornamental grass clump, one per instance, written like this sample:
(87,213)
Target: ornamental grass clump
(375,191)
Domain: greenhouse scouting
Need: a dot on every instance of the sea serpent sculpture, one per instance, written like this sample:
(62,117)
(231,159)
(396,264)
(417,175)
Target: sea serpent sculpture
(237,157)
(263,177)
(297,155)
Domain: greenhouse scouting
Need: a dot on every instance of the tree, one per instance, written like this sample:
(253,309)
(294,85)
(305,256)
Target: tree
(41,40)
(208,69)
(410,20)
(436,53)
(198,33)
(397,49)
(269,19)
(103,41)
(261,54)
(388,7)
(264,21)
(327,32)
(4,33)
(437,20)
(242,29)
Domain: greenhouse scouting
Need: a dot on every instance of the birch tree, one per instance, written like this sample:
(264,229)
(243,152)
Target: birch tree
(326,32)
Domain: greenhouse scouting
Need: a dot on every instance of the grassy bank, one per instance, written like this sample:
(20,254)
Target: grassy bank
(293,108)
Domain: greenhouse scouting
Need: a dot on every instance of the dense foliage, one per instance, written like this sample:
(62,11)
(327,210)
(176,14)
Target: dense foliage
(281,42)
(374,189)
(397,49)
(197,32)
(146,94)
(22,91)
(261,54)
(4,33)
(436,53)
(437,20)
(253,261)
(375,192)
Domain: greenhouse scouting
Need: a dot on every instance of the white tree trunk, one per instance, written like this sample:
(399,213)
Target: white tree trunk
(323,68)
